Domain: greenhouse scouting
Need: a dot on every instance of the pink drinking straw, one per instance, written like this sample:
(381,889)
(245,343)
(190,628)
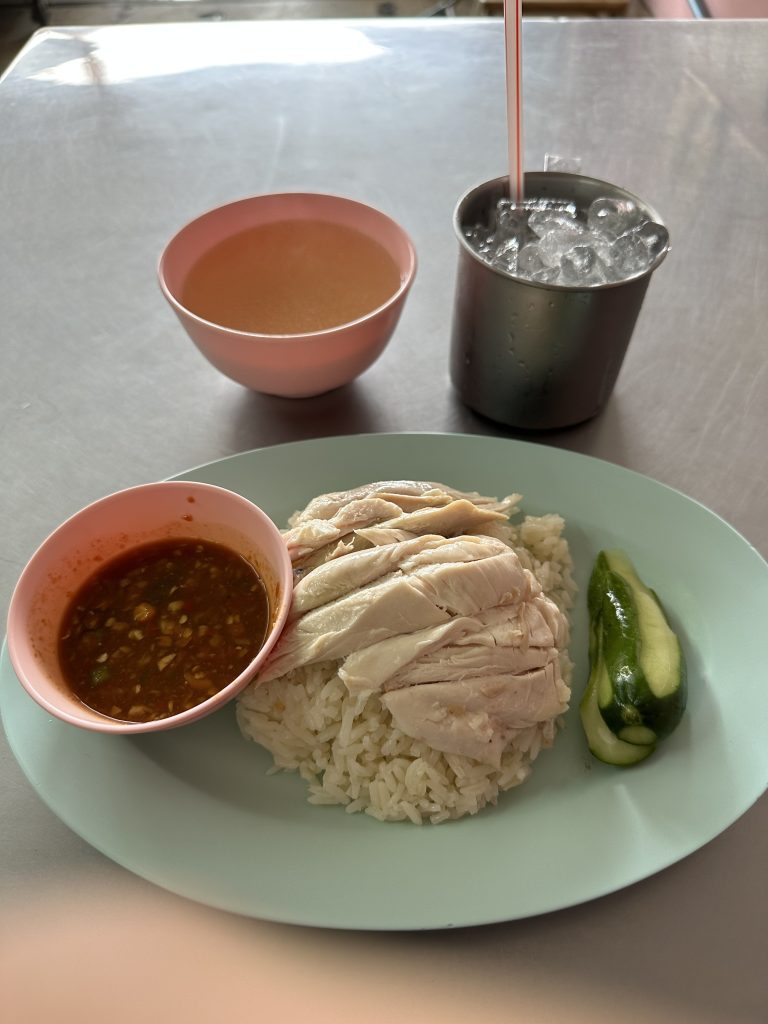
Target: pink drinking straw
(513,38)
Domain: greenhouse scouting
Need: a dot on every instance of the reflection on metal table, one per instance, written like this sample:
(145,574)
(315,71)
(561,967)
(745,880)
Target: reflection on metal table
(115,137)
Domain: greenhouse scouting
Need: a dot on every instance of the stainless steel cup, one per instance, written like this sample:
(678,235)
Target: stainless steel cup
(538,356)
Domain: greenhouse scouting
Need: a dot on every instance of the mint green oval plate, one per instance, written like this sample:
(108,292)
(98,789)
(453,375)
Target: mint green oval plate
(194,811)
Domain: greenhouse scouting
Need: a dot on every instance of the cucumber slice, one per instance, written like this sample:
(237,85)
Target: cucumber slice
(645,686)
(643,654)
(638,734)
(604,744)
(660,653)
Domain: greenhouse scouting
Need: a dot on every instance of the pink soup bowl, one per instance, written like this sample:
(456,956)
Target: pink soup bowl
(110,527)
(298,365)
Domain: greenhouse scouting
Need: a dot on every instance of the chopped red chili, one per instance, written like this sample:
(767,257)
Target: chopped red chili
(162,628)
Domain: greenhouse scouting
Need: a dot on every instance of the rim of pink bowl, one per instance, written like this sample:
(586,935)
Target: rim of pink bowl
(108,725)
(405,283)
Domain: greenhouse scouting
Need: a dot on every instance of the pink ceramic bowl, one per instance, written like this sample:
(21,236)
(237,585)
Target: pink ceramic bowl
(298,365)
(108,528)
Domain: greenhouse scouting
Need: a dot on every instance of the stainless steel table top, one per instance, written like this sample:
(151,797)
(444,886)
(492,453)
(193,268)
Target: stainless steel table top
(113,137)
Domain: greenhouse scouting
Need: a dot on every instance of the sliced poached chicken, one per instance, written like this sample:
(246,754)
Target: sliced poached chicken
(398,581)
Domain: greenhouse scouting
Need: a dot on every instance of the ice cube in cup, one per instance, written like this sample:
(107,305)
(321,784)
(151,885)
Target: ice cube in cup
(655,237)
(609,216)
(541,222)
(581,265)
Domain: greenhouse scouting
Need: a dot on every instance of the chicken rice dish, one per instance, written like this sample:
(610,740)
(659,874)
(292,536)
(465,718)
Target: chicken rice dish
(424,664)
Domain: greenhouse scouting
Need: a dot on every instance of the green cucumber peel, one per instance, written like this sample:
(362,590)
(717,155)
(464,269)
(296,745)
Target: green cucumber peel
(643,690)
(604,744)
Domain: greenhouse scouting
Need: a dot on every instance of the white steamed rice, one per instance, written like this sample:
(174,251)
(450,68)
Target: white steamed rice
(347,748)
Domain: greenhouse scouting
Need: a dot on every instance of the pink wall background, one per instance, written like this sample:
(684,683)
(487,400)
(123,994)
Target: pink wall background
(717,8)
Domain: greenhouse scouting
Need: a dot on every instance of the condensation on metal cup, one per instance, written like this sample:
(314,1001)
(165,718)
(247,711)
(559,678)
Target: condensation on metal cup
(538,356)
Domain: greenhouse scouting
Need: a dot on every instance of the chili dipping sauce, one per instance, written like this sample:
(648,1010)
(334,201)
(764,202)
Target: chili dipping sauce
(162,628)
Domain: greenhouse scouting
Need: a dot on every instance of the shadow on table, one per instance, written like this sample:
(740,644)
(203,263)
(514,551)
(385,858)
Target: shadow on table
(602,436)
(261,420)
(358,408)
